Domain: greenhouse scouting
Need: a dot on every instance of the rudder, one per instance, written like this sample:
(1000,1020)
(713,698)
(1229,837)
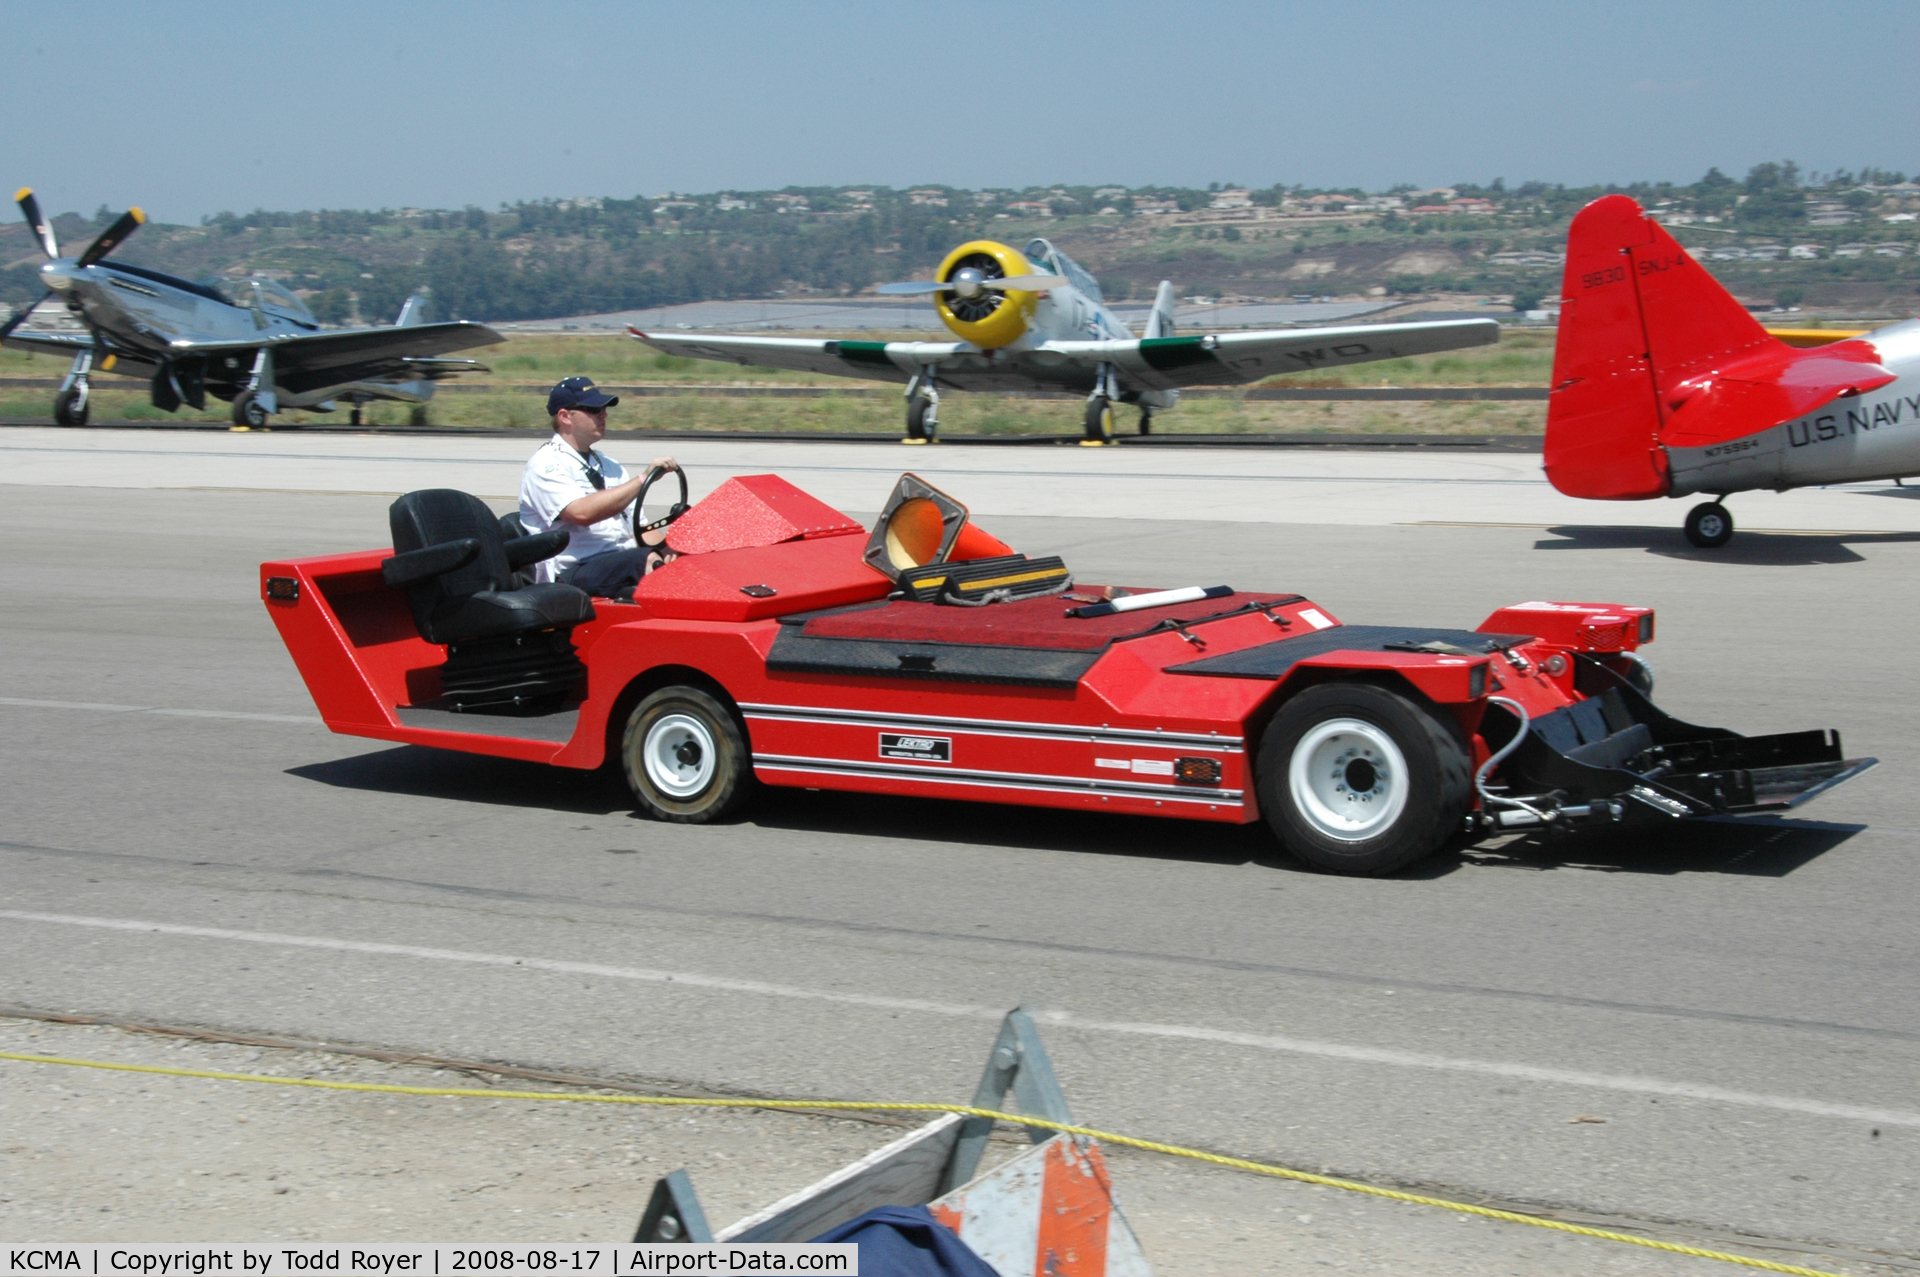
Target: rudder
(1638,317)
(1160,318)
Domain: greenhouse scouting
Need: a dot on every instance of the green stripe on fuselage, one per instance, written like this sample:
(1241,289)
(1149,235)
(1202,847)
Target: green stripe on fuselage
(863,352)
(1169,353)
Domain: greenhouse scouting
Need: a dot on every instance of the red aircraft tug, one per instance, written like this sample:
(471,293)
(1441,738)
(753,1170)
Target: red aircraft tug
(787,646)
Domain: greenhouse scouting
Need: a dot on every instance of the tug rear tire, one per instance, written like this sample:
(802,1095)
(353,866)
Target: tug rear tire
(1357,779)
(686,757)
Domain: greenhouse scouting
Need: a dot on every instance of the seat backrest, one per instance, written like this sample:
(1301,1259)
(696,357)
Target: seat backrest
(511,529)
(438,515)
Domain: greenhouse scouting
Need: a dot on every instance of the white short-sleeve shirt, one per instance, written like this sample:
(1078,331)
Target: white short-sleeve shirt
(556,477)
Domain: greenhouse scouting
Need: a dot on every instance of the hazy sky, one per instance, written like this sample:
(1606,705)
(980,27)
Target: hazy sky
(190,108)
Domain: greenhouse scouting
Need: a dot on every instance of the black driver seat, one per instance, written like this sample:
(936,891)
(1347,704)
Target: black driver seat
(508,648)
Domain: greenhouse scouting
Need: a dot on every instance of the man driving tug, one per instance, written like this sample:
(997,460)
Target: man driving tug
(569,484)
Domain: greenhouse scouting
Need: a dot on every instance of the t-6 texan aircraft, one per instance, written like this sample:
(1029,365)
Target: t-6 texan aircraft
(1036,321)
(1664,385)
(251,341)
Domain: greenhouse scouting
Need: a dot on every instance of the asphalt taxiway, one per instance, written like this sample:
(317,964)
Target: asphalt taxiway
(1735,1002)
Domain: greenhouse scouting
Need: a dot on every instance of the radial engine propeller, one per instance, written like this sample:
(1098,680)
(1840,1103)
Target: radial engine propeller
(975,286)
(108,240)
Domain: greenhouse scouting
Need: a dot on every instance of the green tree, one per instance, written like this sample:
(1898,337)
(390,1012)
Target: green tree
(331,306)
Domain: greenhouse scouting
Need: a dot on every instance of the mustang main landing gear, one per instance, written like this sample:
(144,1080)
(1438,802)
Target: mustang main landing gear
(70,405)
(1709,525)
(248,411)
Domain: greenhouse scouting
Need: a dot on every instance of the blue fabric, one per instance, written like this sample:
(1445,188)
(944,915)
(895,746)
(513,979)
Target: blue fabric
(907,1241)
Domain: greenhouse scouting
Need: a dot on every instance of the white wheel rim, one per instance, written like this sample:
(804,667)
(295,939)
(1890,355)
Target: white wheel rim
(679,755)
(1328,776)
(1712,525)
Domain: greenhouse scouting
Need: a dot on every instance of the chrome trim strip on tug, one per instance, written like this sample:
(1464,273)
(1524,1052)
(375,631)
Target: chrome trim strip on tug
(994,727)
(1003,780)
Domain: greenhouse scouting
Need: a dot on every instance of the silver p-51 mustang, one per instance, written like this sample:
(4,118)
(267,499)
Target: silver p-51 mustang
(248,341)
(1036,321)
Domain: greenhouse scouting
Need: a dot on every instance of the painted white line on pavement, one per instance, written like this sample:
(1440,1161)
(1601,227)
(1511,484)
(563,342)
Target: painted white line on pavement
(1261,1042)
(309,720)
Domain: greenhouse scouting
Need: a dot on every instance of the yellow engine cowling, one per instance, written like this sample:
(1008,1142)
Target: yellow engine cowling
(992,318)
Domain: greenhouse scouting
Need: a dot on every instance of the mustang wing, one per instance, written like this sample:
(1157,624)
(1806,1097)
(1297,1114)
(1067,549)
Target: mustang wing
(313,362)
(1224,359)
(48,343)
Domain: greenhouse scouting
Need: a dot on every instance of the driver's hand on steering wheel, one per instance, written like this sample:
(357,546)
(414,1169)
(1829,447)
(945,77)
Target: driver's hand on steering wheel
(664,463)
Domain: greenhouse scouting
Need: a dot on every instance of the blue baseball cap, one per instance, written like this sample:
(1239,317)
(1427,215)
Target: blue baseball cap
(577,392)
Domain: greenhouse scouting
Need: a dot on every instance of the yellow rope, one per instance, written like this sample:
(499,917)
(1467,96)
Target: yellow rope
(1151,1146)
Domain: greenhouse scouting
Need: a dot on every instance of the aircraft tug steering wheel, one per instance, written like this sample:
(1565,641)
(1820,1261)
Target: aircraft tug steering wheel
(640,500)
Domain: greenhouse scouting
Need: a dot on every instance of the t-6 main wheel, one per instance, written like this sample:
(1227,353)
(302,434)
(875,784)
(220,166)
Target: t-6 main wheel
(1098,421)
(922,419)
(686,757)
(1357,779)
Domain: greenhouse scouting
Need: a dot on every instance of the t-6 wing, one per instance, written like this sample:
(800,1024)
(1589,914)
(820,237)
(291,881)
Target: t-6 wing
(1161,363)
(870,360)
(1226,359)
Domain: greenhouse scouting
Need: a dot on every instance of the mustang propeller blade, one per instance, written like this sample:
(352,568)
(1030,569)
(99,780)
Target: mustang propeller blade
(1024,283)
(111,238)
(19,318)
(42,229)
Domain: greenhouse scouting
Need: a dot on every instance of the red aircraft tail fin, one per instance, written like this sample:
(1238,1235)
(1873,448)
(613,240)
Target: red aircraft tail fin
(1639,317)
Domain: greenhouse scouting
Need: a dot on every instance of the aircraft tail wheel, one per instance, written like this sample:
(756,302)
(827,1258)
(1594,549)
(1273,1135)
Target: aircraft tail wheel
(686,757)
(247,410)
(1146,421)
(1357,779)
(1709,525)
(1099,421)
(922,420)
(70,408)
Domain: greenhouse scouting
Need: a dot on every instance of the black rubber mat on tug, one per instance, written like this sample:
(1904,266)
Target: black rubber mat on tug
(1273,660)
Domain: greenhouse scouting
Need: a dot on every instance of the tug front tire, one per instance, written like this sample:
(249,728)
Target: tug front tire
(1709,525)
(1357,779)
(686,757)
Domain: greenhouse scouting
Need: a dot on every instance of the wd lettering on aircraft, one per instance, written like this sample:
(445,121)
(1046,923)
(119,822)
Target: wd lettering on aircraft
(1602,278)
(1320,354)
(1729,449)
